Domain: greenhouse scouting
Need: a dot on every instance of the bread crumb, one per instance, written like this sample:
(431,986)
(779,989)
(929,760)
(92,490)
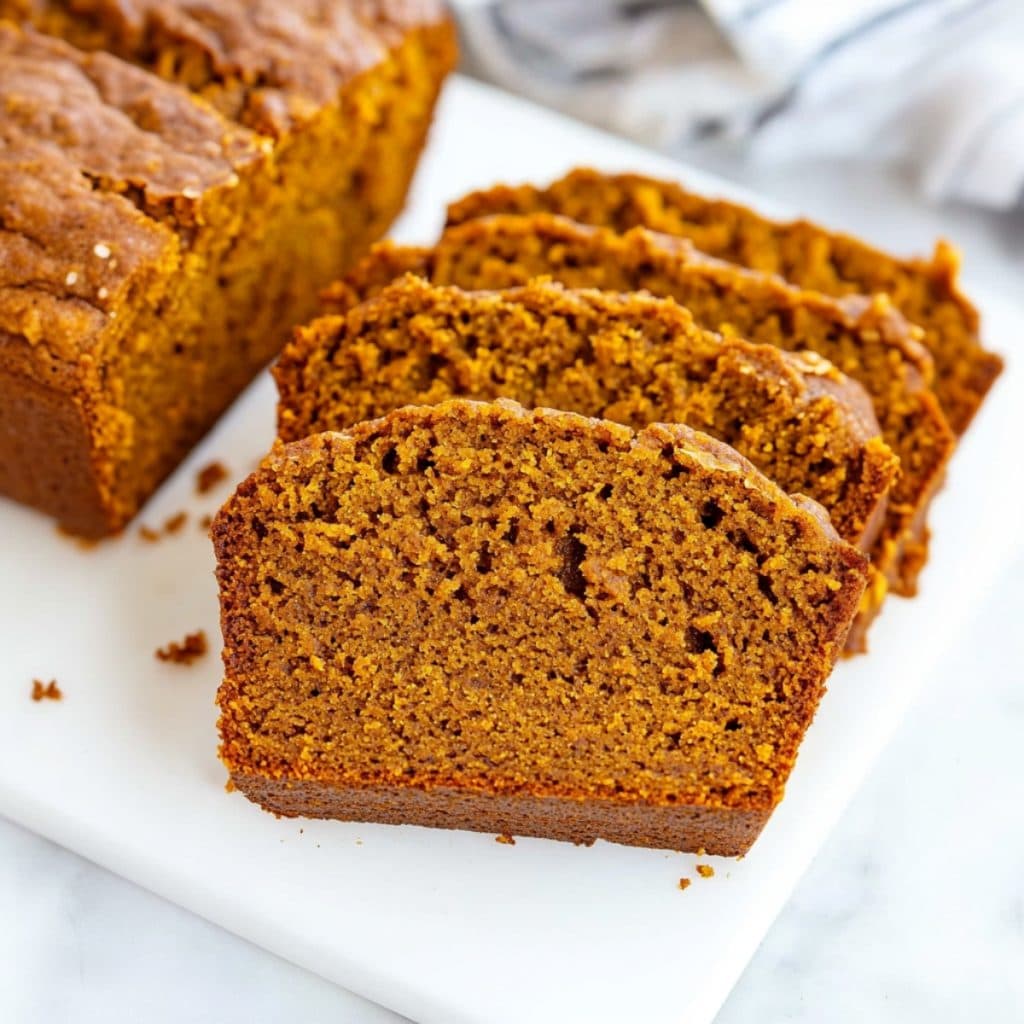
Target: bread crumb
(205,523)
(684,883)
(701,851)
(506,839)
(171,525)
(46,691)
(705,871)
(176,522)
(209,476)
(192,647)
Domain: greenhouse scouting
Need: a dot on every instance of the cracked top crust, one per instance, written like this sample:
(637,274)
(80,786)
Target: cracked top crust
(102,165)
(266,63)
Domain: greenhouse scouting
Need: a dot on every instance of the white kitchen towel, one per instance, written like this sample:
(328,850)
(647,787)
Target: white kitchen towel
(936,84)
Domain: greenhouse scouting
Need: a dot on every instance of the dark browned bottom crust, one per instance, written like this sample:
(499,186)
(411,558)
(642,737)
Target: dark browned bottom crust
(45,455)
(723,831)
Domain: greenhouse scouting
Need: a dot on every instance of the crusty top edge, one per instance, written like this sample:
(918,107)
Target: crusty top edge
(103,171)
(120,127)
(813,374)
(707,452)
(851,311)
(269,64)
(942,267)
(385,262)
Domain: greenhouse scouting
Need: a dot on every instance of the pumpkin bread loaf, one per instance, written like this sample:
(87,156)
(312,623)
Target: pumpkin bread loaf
(473,616)
(156,246)
(343,90)
(864,338)
(926,291)
(633,359)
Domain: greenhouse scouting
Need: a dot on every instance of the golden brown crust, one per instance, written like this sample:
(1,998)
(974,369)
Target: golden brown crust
(866,339)
(97,156)
(270,65)
(153,252)
(927,291)
(526,605)
(123,129)
(632,359)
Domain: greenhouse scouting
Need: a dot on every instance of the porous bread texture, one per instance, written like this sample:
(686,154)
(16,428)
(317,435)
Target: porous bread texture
(633,359)
(533,623)
(926,291)
(155,251)
(866,339)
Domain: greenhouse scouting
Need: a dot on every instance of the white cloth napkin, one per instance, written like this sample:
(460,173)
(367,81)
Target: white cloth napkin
(935,84)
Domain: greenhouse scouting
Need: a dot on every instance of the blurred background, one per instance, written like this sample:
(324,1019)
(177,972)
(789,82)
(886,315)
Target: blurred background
(934,88)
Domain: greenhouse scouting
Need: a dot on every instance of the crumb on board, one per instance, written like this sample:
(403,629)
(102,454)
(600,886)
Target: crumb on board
(506,839)
(705,871)
(192,647)
(205,522)
(209,476)
(684,883)
(176,522)
(701,851)
(46,691)
(171,525)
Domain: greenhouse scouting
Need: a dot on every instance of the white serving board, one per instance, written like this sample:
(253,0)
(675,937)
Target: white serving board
(444,927)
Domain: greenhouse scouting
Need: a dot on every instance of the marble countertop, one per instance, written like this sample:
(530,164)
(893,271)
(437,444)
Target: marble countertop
(913,910)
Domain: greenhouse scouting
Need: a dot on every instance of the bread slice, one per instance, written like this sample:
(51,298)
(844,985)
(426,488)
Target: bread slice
(473,616)
(633,359)
(926,291)
(864,338)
